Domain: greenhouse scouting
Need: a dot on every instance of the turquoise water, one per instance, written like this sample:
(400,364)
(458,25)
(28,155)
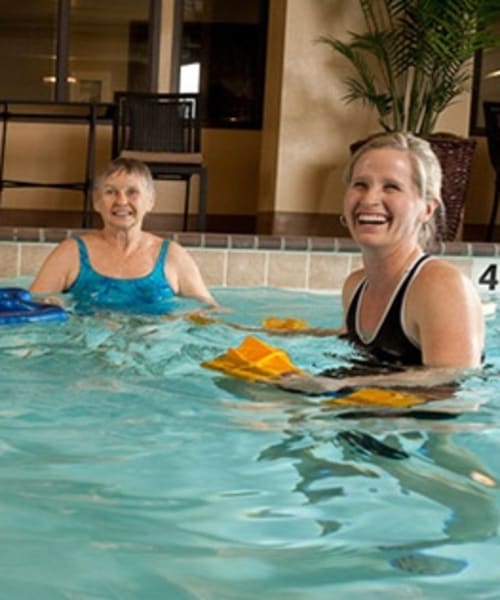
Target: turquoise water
(128,471)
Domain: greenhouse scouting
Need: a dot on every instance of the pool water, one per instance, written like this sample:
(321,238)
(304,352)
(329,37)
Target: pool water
(128,471)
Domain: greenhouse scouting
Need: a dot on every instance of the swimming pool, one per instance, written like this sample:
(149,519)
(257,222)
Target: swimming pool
(128,471)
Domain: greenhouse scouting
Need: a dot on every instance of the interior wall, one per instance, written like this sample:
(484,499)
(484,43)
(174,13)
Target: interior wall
(232,158)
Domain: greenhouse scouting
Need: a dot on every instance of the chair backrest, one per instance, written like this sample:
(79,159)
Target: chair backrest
(492,121)
(156,122)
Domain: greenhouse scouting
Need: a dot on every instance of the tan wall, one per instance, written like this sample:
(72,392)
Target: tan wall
(233,170)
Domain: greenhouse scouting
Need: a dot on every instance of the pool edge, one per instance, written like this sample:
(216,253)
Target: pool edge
(239,260)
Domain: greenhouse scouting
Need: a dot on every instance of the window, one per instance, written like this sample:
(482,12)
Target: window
(85,50)
(222,56)
(27,50)
(82,50)
(486,84)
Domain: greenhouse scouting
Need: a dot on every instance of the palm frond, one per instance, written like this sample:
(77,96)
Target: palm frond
(408,64)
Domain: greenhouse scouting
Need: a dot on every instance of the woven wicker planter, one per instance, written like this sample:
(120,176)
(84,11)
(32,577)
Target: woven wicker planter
(455,155)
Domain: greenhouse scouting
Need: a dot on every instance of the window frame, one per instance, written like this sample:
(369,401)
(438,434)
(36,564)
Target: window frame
(63,32)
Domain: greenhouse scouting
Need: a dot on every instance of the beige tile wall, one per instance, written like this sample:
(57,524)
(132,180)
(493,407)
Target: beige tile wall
(9,260)
(301,270)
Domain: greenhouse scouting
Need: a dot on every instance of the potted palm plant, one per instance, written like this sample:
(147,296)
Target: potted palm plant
(409,64)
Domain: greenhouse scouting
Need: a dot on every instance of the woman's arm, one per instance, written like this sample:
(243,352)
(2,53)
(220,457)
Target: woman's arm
(314,385)
(59,269)
(284,332)
(184,275)
(445,315)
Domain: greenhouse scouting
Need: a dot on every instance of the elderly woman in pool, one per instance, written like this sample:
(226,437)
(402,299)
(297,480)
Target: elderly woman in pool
(122,266)
(403,307)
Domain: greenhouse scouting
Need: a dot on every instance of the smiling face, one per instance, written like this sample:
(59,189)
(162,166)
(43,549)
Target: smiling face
(382,204)
(123,200)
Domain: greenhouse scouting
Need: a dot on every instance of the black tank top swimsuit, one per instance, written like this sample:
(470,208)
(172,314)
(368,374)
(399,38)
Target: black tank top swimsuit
(389,343)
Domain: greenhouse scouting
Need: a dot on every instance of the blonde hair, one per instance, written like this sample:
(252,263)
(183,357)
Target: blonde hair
(131,166)
(427,173)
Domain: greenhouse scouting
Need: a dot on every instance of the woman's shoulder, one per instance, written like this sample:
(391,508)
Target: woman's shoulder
(175,249)
(440,271)
(68,246)
(445,280)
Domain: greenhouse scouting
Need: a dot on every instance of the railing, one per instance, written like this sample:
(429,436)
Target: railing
(88,113)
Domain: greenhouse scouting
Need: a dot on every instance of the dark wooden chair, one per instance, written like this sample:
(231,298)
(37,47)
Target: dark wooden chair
(163,130)
(492,122)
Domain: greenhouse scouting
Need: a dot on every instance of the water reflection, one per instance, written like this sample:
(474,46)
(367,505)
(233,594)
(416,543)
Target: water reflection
(411,469)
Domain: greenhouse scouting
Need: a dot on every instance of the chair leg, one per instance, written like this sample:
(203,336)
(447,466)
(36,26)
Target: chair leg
(494,210)
(89,168)
(87,207)
(202,206)
(186,204)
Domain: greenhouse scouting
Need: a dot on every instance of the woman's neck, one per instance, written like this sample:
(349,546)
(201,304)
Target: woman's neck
(127,240)
(384,269)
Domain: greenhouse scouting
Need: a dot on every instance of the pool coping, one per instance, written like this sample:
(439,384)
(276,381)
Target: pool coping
(250,241)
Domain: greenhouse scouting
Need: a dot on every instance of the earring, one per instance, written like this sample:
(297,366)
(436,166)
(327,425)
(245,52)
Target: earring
(343,221)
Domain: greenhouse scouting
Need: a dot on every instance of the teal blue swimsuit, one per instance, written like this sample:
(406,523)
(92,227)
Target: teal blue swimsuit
(150,294)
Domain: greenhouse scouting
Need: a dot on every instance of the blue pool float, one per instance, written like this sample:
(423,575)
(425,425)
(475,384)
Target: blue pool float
(18,306)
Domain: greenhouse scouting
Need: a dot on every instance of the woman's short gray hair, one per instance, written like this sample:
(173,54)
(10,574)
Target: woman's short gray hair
(131,166)
(427,172)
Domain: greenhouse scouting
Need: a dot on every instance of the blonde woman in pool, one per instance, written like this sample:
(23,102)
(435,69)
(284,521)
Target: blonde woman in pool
(403,307)
(121,266)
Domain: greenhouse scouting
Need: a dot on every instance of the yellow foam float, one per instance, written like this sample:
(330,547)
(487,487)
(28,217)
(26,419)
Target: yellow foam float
(255,360)
(368,396)
(284,324)
(268,324)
